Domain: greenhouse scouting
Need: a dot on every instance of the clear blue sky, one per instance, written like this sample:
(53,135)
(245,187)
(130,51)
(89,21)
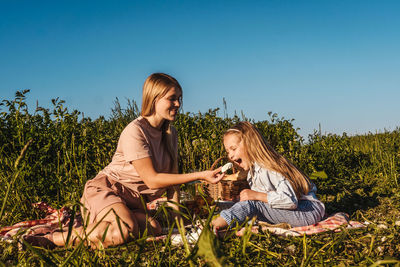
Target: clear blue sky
(330,62)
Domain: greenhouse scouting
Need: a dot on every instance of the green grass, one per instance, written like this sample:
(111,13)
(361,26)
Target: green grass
(355,174)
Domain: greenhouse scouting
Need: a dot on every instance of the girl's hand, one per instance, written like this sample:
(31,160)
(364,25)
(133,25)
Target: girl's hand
(247,194)
(213,176)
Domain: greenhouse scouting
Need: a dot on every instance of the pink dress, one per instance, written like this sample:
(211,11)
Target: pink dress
(119,182)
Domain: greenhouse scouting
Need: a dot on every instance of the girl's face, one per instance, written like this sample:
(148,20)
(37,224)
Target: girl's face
(168,106)
(236,151)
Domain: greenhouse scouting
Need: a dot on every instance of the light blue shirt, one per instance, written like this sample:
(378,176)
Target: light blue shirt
(280,193)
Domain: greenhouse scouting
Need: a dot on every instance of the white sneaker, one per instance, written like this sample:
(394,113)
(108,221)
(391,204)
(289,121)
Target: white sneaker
(176,240)
(192,236)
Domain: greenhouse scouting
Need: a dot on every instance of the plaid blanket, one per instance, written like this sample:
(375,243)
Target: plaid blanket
(54,219)
(332,223)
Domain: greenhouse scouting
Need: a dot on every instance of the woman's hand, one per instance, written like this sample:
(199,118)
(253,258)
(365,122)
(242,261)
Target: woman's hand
(247,194)
(213,176)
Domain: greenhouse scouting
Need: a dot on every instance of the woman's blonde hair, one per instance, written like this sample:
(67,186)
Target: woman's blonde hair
(259,151)
(155,87)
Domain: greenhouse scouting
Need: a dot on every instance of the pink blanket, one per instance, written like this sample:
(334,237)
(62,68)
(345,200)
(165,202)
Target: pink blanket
(54,219)
(332,223)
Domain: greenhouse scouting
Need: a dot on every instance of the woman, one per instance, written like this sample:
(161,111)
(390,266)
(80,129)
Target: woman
(144,166)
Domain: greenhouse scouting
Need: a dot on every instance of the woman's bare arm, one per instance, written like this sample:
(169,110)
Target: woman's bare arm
(155,180)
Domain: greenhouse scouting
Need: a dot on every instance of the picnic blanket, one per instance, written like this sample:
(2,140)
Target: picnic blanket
(54,219)
(57,219)
(334,223)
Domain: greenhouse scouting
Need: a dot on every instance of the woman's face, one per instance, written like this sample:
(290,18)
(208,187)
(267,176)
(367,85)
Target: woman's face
(168,106)
(236,151)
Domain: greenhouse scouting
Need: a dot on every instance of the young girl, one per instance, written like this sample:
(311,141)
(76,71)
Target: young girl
(280,193)
(144,166)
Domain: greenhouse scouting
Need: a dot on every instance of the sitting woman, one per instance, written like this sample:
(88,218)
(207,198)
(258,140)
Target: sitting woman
(280,192)
(144,167)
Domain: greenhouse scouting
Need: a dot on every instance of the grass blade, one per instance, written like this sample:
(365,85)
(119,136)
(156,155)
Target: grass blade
(38,253)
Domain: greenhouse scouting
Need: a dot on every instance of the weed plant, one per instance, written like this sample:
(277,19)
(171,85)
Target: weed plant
(49,154)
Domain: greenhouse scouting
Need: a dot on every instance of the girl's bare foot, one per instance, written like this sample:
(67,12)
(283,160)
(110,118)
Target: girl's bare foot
(253,229)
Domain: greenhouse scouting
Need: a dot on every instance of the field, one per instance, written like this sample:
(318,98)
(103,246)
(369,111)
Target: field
(358,175)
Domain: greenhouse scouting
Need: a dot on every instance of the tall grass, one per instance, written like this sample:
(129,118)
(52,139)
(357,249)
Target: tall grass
(355,174)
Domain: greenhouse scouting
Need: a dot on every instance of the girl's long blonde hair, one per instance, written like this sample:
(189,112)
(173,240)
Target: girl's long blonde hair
(155,87)
(259,151)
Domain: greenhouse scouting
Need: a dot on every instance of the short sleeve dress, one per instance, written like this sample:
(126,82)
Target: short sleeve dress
(119,182)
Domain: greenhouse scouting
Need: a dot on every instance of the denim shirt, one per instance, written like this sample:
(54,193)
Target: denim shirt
(280,193)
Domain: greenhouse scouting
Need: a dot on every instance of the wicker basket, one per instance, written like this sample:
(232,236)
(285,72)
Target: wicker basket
(226,190)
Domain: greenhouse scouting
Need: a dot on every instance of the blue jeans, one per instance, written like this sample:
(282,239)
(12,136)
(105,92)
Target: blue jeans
(307,213)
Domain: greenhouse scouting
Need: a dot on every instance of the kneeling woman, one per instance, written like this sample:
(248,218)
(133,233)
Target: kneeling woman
(280,193)
(144,166)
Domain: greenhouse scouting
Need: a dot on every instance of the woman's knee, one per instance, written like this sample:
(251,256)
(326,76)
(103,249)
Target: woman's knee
(120,218)
(121,233)
(109,234)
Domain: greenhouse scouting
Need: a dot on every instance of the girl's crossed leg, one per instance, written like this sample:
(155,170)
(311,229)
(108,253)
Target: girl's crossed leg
(307,213)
